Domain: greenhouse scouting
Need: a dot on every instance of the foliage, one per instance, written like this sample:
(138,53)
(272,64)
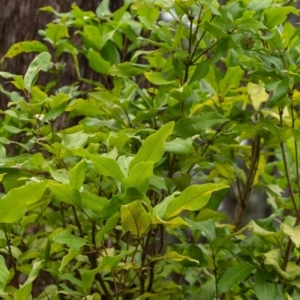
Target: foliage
(112,186)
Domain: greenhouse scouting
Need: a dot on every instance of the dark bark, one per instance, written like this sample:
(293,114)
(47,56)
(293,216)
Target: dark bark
(21,20)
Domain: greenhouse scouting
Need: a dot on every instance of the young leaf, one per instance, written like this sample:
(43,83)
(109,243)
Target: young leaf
(139,176)
(69,239)
(134,218)
(40,63)
(77,175)
(192,198)
(153,147)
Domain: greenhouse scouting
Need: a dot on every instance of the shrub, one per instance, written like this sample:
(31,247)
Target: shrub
(112,186)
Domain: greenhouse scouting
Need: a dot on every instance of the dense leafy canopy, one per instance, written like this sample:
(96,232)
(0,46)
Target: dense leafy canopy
(113,186)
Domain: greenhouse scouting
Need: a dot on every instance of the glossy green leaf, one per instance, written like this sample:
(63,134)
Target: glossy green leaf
(67,258)
(77,175)
(14,205)
(4,274)
(190,126)
(193,198)
(208,290)
(135,218)
(40,63)
(153,147)
(139,176)
(234,275)
(69,239)
(65,193)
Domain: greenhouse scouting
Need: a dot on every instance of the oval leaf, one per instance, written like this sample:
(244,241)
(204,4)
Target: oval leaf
(193,198)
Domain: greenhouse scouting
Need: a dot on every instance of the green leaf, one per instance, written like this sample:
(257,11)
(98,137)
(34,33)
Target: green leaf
(14,205)
(292,233)
(88,277)
(258,5)
(67,258)
(278,90)
(192,198)
(139,176)
(107,166)
(37,266)
(25,46)
(4,274)
(180,146)
(65,193)
(176,257)
(208,290)
(97,63)
(134,218)
(173,223)
(69,239)
(126,69)
(257,94)
(190,126)
(231,80)
(153,147)
(157,78)
(40,63)
(109,225)
(93,202)
(23,292)
(77,175)
(109,262)
(234,275)
(264,289)
(203,67)
(277,15)
(275,238)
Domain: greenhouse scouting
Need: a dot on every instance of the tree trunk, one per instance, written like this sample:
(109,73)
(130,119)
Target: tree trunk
(21,20)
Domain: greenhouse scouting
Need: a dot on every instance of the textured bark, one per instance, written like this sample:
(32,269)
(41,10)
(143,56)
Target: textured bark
(21,20)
